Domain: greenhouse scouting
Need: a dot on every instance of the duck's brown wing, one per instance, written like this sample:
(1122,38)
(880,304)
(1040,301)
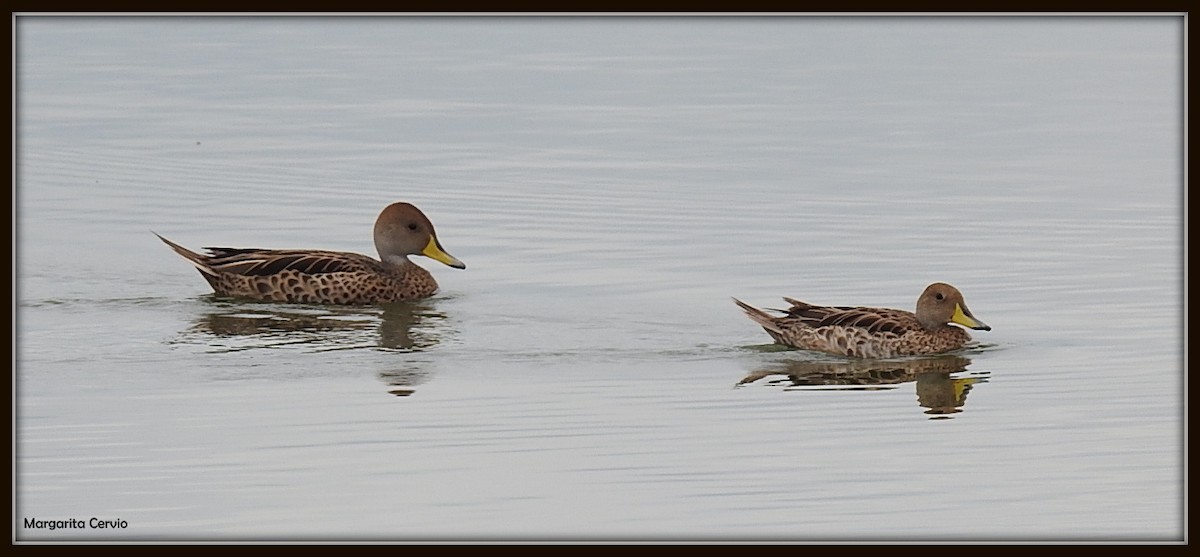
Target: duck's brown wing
(871,320)
(265,262)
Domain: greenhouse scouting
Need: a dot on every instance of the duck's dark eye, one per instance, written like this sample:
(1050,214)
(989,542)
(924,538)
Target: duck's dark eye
(940,296)
(413,226)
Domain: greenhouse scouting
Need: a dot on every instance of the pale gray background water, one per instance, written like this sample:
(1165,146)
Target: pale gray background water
(610,183)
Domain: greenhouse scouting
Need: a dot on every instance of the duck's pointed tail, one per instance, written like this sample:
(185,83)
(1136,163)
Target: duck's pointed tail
(199,261)
(759,316)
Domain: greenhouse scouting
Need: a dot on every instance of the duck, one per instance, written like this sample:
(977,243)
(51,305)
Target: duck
(875,333)
(331,277)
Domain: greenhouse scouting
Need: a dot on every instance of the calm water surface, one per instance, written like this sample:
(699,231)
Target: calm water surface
(610,183)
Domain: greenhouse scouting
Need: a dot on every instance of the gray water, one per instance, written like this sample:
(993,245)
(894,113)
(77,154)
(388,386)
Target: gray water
(610,183)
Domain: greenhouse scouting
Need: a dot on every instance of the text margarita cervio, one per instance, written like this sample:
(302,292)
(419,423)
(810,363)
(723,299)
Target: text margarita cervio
(77,523)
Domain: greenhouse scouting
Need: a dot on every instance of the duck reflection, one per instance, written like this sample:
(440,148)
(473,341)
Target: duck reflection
(403,380)
(941,384)
(403,327)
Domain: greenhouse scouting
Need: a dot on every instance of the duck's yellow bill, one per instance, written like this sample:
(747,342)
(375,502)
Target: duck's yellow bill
(434,251)
(963,317)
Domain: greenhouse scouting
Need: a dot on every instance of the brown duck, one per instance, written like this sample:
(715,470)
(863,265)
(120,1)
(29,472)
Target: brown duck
(865,332)
(331,277)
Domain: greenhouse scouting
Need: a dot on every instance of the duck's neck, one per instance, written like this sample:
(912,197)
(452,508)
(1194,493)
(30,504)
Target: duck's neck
(932,325)
(398,261)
